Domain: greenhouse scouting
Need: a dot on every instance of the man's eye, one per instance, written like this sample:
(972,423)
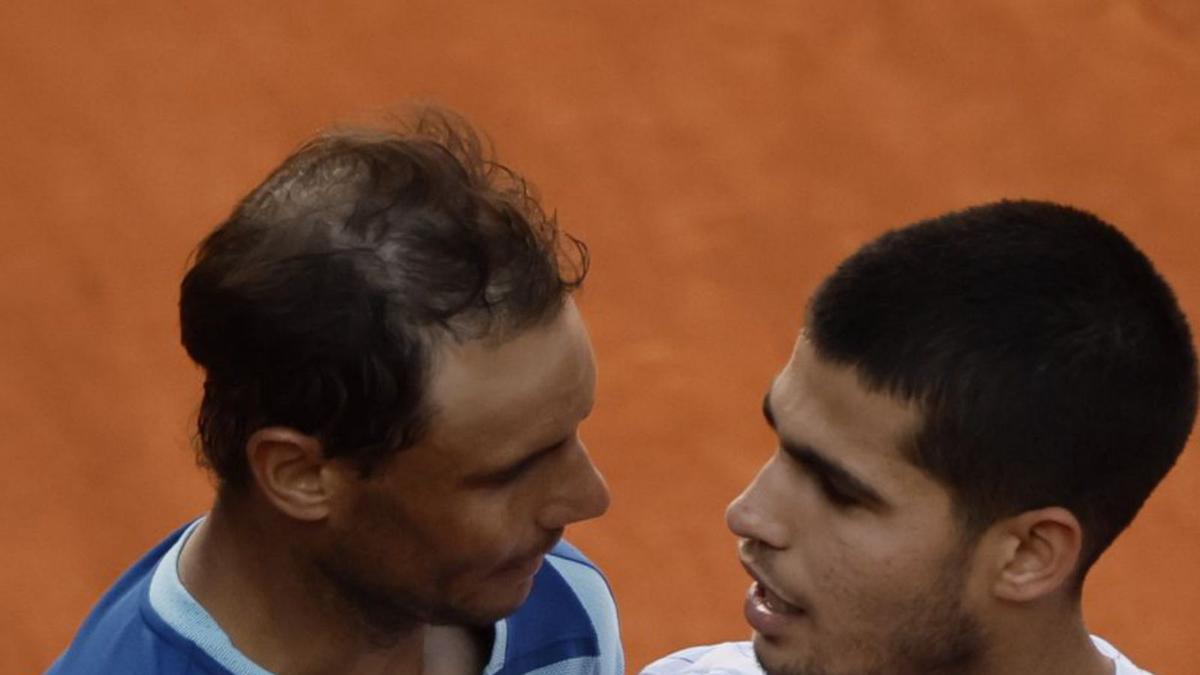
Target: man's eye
(507,476)
(518,470)
(835,495)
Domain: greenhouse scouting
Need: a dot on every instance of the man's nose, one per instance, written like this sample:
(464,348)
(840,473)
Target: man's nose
(749,516)
(581,495)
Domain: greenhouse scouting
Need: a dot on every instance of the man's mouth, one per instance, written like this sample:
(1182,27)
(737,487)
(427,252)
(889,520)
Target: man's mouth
(771,600)
(762,591)
(769,614)
(524,567)
(767,611)
(529,563)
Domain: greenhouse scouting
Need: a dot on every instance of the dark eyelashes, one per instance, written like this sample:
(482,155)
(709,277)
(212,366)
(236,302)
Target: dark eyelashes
(508,475)
(836,495)
(516,471)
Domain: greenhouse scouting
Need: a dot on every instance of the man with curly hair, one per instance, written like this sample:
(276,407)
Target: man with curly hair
(395,375)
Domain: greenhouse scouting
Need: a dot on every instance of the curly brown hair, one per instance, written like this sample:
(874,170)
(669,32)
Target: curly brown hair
(316,304)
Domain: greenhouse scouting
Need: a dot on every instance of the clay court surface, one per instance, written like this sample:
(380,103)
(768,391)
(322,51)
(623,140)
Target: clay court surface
(719,158)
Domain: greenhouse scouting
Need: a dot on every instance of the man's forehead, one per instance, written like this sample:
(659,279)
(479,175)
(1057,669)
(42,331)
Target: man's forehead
(809,374)
(525,386)
(552,356)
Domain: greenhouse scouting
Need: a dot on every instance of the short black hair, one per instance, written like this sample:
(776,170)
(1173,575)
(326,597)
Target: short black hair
(317,303)
(1052,364)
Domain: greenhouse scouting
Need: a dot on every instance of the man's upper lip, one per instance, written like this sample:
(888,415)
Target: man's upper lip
(760,578)
(536,553)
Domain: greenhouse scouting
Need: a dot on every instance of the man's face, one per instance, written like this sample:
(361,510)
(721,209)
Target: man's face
(453,529)
(859,562)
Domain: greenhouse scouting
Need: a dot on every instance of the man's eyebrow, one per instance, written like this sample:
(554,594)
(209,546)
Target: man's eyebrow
(826,469)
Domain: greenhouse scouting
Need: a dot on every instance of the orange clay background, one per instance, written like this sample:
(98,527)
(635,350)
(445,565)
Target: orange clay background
(718,156)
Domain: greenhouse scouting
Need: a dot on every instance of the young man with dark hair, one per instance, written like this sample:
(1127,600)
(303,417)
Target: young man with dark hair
(395,378)
(978,405)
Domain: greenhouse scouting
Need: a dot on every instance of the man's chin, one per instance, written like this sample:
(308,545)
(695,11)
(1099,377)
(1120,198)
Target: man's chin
(472,617)
(483,612)
(773,657)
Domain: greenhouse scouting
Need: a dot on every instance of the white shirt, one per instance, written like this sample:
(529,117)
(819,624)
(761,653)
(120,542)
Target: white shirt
(737,658)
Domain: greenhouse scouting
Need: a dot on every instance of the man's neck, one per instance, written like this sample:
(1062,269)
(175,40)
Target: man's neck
(1045,644)
(288,621)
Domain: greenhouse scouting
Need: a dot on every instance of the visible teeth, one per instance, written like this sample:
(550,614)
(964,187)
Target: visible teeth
(774,602)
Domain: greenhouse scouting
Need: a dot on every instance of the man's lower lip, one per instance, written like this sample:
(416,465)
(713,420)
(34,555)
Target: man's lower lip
(765,620)
(527,567)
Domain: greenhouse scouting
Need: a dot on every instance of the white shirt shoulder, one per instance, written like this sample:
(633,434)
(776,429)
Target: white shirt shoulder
(727,658)
(1124,665)
(737,658)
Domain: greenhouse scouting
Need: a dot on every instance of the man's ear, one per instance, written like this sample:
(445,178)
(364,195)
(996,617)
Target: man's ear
(1035,554)
(291,471)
